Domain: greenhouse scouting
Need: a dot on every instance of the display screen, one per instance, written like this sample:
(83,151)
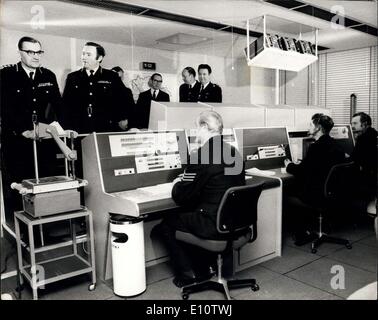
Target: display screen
(263,148)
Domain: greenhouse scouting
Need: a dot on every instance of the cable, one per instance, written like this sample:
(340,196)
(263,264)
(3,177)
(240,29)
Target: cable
(85,250)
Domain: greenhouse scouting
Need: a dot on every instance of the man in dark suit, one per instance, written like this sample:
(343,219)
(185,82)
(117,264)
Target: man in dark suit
(199,192)
(129,102)
(29,93)
(141,115)
(311,175)
(365,153)
(189,90)
(94,97)
(209,92)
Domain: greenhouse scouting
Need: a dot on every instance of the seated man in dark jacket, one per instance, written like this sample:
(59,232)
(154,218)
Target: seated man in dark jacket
(312,173)
(213,168)
(365,154)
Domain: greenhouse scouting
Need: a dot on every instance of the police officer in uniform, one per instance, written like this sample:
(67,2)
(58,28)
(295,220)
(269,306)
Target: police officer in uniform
(209,92)
(94,97)
(199,192)
(189,90)
(29,93)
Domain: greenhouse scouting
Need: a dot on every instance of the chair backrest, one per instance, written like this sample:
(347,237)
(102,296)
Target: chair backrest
(341,182)
(238,208)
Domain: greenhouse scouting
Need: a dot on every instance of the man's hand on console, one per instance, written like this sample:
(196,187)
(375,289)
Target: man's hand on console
(178,179)
(123,124)
(287,162)
(29,134)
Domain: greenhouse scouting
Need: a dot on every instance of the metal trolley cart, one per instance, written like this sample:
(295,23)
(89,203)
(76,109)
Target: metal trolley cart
(48,200)
(44,272)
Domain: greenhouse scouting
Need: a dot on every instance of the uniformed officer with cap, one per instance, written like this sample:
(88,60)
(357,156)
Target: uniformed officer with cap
(189,90)
(209,92)
(94,96)
(29,93)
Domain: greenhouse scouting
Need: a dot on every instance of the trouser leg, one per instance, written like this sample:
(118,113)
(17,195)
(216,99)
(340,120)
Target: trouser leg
(166,230)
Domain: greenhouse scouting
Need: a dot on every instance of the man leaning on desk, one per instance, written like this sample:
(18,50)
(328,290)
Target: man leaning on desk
(311,175)
(212,169)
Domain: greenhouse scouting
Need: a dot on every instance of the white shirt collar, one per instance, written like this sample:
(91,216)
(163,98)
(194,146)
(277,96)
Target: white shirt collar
(28,70)
(193,84)
(205,85)
(152,92)
(89,73)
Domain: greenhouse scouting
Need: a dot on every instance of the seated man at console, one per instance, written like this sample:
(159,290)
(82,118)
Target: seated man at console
(213,168)
(365,154)
(311,175)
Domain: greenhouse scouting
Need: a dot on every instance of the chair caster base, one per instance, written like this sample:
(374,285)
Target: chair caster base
(255,287)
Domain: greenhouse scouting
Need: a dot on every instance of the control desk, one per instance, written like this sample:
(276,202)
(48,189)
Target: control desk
(264,151)
(131,174)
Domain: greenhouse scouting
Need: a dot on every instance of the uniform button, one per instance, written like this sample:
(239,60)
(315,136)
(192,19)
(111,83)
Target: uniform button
(90,93)
(90,83)
(34,99)
(90,105)
(18,90)
(33,88)
(47,91)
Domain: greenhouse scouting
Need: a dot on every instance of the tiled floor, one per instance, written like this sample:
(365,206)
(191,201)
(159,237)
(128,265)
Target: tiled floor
(297,275)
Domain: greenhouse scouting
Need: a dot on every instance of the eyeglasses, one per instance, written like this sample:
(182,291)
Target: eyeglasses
(157,80)
(31,53)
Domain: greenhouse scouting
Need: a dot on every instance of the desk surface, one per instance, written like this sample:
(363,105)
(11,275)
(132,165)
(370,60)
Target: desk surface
(285,177)
(147,206)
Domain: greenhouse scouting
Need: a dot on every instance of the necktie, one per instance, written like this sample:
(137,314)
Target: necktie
(31,74)
(201,88)
(154,95)
(91,73)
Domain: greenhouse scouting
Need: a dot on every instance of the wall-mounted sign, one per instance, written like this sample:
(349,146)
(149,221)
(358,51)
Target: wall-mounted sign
(148,65)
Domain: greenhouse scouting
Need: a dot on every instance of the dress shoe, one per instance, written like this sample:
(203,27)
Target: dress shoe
(302,238)
(184,279)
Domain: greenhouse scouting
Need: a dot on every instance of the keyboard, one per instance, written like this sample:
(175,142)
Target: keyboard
(162,190)
(147,194)
(257,171)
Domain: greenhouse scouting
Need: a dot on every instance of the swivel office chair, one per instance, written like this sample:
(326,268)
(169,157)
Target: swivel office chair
(237,225)
(338,195)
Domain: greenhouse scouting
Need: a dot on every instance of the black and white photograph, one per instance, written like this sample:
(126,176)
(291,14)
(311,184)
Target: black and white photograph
(189,158)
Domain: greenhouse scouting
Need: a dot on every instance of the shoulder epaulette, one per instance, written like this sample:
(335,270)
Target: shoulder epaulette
(7,66)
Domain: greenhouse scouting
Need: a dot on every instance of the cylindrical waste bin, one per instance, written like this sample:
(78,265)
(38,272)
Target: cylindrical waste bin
(127,239)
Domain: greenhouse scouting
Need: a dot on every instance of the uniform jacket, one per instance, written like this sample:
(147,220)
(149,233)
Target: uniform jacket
(141,115)
(312,172)
(188,93)
(96,104)
(365,156)
(21,96)
(212,93)
(204,182)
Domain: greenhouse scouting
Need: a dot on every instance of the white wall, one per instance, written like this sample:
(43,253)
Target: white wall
(63,53)
(262,85)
